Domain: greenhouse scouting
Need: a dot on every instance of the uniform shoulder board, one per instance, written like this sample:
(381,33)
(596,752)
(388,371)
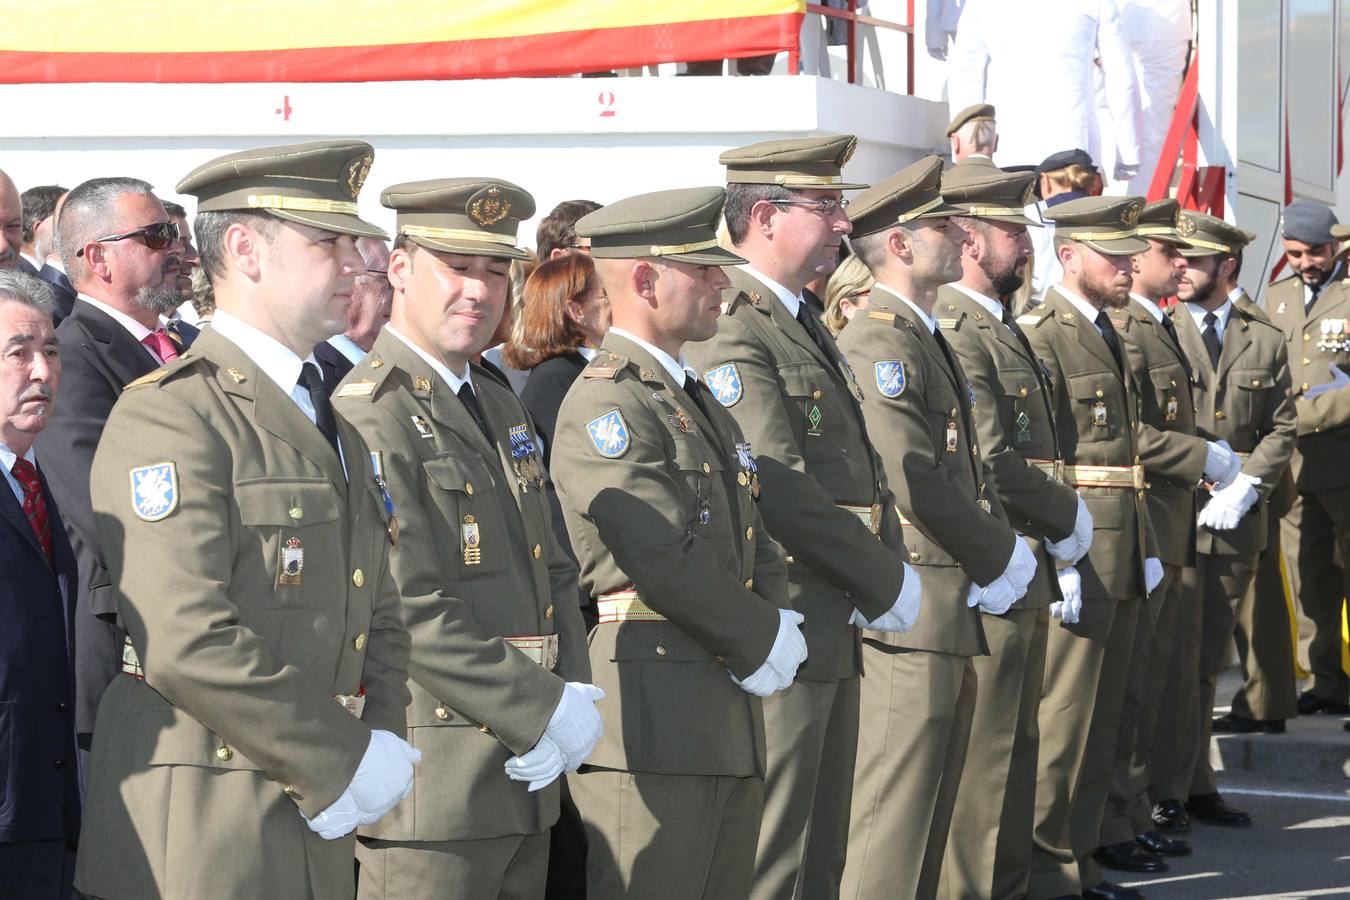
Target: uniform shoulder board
(606,365)
(164,371)
(1035,317)
(883,316)
(147,378)
(361,388)
(948,324)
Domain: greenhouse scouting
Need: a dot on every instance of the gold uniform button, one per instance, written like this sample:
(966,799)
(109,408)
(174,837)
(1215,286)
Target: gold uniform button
(360,642)
(1220,415)
(741,479)
(1306,361)
(358,578)
(789,560)
(1136,460)
(749,583)
(291,792)
(1307,337)
(485,729)
(815,395)
(441,713)
(548,611)
(1022,391)
(537,551)
(376,363)
(1256,382)
(297,512)
(749,532)
(953,412)
(913,556)
(468,488)
(718,659)
(1305,385)
(661,650)
(1100,394)
(224,753)
(706,468)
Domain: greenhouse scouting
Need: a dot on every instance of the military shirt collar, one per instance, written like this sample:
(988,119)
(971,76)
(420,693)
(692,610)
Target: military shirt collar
(273,358)
(450,378)
(1149,306)
(1198,313)
(1309,294)
(347,347)
(1085,309)
(790,300)
(589,353)
(993,307)
(929,322)
(677,368)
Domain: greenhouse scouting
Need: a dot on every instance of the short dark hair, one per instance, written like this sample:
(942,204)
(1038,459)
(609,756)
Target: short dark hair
(175,210)
(1237,262)
(210,228)
(557,230)
(38,203)
(741,198)
(85,215)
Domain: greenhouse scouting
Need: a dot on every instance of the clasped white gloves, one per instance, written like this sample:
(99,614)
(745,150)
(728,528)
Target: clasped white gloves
(383,778)
(1227,507)
(900,617)
(786,655)
(570,736)
(1071,588)
(1222,465)
(1075,546)
(1338,380)
(1153,573)
(1124,171)
(999,595)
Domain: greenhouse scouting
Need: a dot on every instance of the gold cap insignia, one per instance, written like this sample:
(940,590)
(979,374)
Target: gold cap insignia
(356,174)
(1130,215)
(489,207)
(1185,227)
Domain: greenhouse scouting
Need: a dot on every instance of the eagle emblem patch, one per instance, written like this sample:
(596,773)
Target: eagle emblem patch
(154,491)
(725,384)
(890,377)
(609,434)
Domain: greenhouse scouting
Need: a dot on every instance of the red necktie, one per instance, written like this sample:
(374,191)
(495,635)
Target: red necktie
(34,504)
(162,345)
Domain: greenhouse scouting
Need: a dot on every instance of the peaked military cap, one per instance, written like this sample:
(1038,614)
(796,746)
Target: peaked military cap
(1206,235)
(315,184)
(912,193)
(679,225)
(1310,222)
(1161,221)
(992,194)
(1108,225)
(970,114)
(810,162)
(473,216)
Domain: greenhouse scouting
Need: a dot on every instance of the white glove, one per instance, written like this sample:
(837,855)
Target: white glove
(1021,567)
(540,765)
(788,652)
(1222,465)
(996,598)
(1227,507)
(385,775)
(1338,380)
(1075,546)
(336,821)
(575,725)
(900,617)
(1153,573)
(1071,587)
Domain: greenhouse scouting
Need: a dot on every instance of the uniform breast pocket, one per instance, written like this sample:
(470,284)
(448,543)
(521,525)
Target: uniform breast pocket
(1168,384)
(299,531)
(806,388)
(944,413)
(465,516)
(706,511)
(1099,406)
(1018,389)
(1250,395)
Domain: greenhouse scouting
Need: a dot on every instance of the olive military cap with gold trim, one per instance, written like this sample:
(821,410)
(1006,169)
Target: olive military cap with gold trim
(315,184)
(982,193)
(472,216)
(912,193)
(1160,220)
(970,114)
(1108,225)
(810,162)
(678,225)
(1206,235)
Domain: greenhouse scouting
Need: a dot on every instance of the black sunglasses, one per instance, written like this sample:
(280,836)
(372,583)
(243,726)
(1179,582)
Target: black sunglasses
(156,236)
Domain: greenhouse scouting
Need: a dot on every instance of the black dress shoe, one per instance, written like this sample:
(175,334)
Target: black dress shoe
(1231,724)
(1157,843)
(1108,891)
(1210,809)
(1170,815)
(1129,857)
(1309,704)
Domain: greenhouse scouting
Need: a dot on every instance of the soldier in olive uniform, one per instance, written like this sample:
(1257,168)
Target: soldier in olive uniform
(919,689)
(1089,652)
(826,501)
(1242,395)
(1175,461)
(989,851)
(248,539)
(659,489)
(1313,312)
(499,650)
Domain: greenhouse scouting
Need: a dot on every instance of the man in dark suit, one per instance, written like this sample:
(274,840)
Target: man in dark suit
(366,315)
(109,229)
(39,796)
(63,292)
(11,226)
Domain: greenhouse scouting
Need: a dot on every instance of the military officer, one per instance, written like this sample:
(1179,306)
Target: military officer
(973,136)
(918,693)
(1313,312)
(1242,394)
(1175,460)
(1087,660)
(989,851)
(825,502)
(499,662)
(259,718)
(659,489)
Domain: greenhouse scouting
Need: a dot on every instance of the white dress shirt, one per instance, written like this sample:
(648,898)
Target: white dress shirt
(676,368)
(993,307)
(929,322)
(450,378)
(1198,313)
(134,328)
(1085,309)
(792,301)
(7,459)
(1153,309)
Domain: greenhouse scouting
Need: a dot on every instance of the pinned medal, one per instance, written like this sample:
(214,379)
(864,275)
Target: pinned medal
(952,435)
(1023,422)
(1171,408)
(681,420)
(524,459)
(423,429)
(749,476)
(852,379)
(292,562)
(422,383)
(472,541)
(1099,414)
(813,418)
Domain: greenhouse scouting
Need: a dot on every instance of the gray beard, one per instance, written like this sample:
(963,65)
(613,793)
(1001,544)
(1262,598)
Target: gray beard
(159,300)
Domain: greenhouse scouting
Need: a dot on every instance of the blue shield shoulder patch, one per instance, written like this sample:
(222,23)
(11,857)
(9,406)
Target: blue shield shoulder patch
(725,384)
(154,491)
(890,377)
(609,434)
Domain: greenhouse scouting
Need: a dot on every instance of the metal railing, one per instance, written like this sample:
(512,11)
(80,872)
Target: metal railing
(852,19)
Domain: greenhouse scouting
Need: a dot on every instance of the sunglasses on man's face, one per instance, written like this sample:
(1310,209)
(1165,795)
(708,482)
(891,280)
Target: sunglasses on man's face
(156,236)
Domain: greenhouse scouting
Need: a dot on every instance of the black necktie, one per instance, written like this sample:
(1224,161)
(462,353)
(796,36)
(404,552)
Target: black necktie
(1011,322)
(691,388)
(470,401)
(312,381)
(1176,342)
(808,321)
(1211,338)
(1112,339)
(947,352)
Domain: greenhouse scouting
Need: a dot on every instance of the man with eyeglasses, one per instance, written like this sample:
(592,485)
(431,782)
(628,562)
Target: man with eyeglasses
(122,254)
(372,298)
(825,498)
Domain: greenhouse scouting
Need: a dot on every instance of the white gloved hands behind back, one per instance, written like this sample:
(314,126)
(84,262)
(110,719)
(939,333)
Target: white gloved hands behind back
(383,778)
(1338,380)
(903,614)
(1222,465)
(786,655)
(1227,507)
(1071,589)
(1153,573)
(1074,547)
(999,595)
